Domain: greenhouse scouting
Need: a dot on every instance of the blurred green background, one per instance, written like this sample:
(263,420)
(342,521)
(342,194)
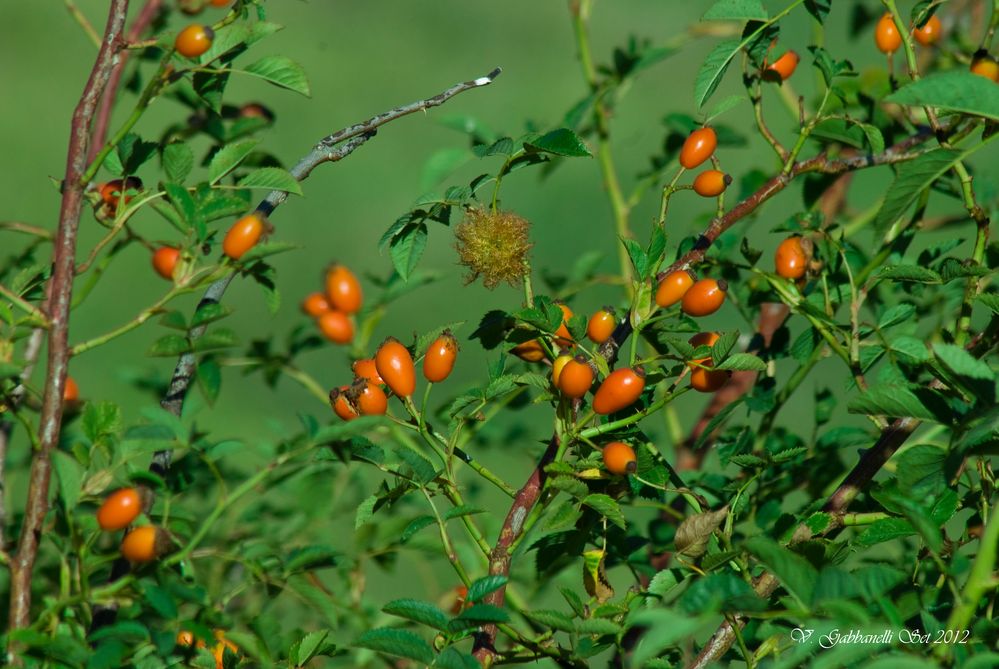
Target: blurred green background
(362,58)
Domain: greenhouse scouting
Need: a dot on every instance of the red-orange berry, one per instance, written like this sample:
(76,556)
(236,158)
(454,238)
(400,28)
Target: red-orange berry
(698,147)
(558,365)
(365,369)
(619,458)
(218,652)
(562,336)
(785,66)
(460,594)
(930,33)
(143,544)
(575,378)
(886,35)
(672,289)
(220,3)
(439,359)
(529,351)
(194,40)
(601,325)
(336,326)
(165,261)
(315,305)
(116,191)
(395,365)
(343,289)
(702,378)
(704,297)
(243,235)
(711,183)
(619,390)
(70,391)
(369,398)
(341,405)
(791,258)
(984,65)
(119,509)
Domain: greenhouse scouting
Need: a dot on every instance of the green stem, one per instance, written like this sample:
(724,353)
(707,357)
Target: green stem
(143,316)
(981,580)
(156,83)
(854,519)
(605,158)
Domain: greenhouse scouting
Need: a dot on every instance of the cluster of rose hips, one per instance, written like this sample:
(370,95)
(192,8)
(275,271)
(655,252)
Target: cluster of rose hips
(574,375)
(185,638)
(119,510)
(392,366)
(888,40)
(144,544)
(334,308)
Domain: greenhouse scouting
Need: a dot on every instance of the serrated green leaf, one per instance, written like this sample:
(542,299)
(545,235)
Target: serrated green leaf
(794,571)
(281,71)
(560,142)
(271,178)
(400,643)
(417,611)
(228,158)
(177,161)
(957,90)
(483,586)
(606,507)
(713,69)
(736,10)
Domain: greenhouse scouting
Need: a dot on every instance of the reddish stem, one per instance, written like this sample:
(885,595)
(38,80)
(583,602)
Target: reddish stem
(60,297)
(142,21)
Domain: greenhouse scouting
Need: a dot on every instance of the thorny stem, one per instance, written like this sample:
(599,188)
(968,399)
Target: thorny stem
(58,306)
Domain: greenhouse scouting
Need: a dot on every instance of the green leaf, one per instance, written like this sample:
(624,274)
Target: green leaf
(794,571)
(736,10)
(921,471)
(663,628)
(414,526)
(450,658)
(423,470)
(962,363)
(883,530)
(912,273)
(271,178)
(554,619)
(311,645)
(228,158)
(898,401)
(281,71)
(70,476)
(911,349)
(209,313)
(561,142)
(477,615)
(407,248)
(400,643)
(169,345)
(914,177)
(133,152)
(713,69)
(209,378)
(743,362)
(417,611)
(177,161)
(957,90)
(483,586)
(606,507)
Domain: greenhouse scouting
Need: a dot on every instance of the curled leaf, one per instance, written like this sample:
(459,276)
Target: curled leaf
(693,534)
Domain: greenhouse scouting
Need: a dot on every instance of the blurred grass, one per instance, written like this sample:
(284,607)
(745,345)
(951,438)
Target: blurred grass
(363,58)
